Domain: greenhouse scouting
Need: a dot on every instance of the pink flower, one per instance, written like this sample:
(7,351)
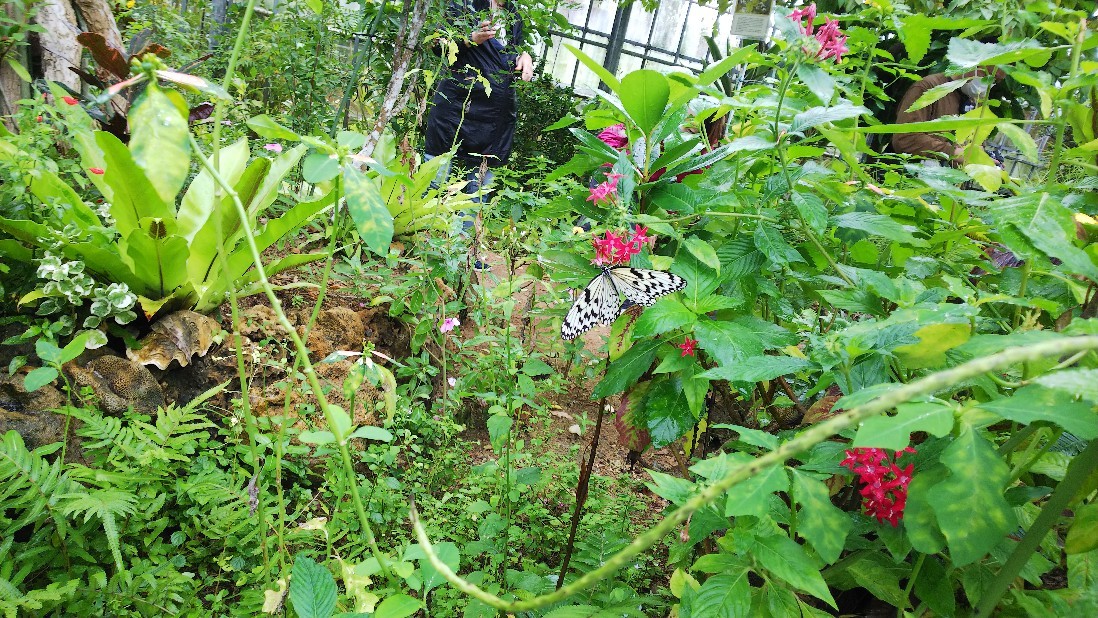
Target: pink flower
(96,170)
(687,346)
(614,136)
(808,14)
(832,41)
(602,193)
(275,148)
(448,325)
(452,382)
(69,100)
(640,236)
(884,484)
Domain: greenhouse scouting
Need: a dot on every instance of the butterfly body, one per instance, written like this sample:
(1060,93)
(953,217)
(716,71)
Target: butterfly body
(600,302)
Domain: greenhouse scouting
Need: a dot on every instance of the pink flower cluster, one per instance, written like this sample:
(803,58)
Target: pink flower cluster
(832,42)
(616,249)
(605,191)
(884,483)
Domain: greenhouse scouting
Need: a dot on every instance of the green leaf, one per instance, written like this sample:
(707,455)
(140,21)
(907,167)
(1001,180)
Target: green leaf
(316,5)
(916,30)
(935,587)
(758,368)
(367,208)
(316,437)
(1037,403)
(771,242)
(812,209)
(701,280)
(1022,141)
(752,497)
(265,126)
(606,77)
(920,521)
(159,141)
(727,595)
(1049,225)
(1081,383)
(934,341)
(879,225)
(321,166)
(19,69)
(644,95)
(134,196)
(820,115)
(894,432)
(818,81)
(1082,536)
(728,342)
(977,477)
(668,412)
(369,432)
(968,54)
(160,261)
(874,571)
(936,93)
(666,315)
(312,589)
(625,371)
(788,561)
(499,428)
(824,525)
(398,605)
(447,552)
(39,377)
(945,123)
(195,83)
(704,252)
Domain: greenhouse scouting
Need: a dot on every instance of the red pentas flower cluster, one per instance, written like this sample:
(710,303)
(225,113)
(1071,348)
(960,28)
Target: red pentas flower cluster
(884,482)
(605,191)
(832,42)
(614,248)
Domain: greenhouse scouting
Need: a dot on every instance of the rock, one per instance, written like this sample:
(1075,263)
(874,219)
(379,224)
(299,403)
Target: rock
(176,337)
(119,383)
(335,329)
(30,414)
(259,322)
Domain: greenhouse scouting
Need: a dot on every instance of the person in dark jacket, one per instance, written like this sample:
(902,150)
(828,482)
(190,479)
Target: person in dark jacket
(933,145)
(475,107)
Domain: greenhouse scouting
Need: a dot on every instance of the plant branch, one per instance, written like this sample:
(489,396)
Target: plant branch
(805,440)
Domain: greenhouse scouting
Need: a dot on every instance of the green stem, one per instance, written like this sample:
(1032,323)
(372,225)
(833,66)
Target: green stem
(1061,120)
(915,569)
(226,82)
(802,442)
(302,352)
(1078,471)
(1017,437)
(1032,459)
(731,215)
(804,225)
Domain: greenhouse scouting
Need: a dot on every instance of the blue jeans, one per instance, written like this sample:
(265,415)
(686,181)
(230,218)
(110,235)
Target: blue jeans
(473,187)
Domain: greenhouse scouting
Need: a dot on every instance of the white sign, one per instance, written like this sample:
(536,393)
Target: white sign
(751,20)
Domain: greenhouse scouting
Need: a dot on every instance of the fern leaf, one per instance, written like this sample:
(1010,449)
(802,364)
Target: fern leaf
(104,504)
(29,485)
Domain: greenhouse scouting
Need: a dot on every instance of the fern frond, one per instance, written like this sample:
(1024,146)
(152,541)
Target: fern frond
(30,486)
(104,504)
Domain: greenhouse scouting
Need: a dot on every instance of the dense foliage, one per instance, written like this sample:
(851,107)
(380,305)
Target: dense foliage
(877,389)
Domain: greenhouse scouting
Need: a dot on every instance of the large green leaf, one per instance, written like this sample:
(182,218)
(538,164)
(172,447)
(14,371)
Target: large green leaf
(312,589)
(824,525)
(879,225)
(625,371)
(265,126)
(223,225)
(447,552)
(758,368)
(159,140)
(157,259)
(874,571)
(198,202)
(1048,225)
(977,477)
(788,561)
(819,115)
(667,314)
(728,342)
(920,521)
(818,81)
(135,197)
(1082,536)
(894,432)
(945,123)
(644,95)
(667,411)
(969,54)
(916,30)
(771,242)
(701,280)
(727,595)
(752,497)
(397,606)
(46,186)
(606,77)
(1037,403)
(936,93)
(368,210)
(1076,382)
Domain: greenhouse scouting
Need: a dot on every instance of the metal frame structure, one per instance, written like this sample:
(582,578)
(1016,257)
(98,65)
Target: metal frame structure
(629,39)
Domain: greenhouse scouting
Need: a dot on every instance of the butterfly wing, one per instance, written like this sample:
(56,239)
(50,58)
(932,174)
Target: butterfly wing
(645,286)
(598,303)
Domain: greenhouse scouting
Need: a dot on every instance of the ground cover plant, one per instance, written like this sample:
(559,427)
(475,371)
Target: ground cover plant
(256,365)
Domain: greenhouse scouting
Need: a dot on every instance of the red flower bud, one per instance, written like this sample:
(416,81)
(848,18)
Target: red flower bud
(69,100)
(96,170)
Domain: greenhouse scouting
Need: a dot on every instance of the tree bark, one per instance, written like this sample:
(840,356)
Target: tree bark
(99,18)
(407,40)
(58,43)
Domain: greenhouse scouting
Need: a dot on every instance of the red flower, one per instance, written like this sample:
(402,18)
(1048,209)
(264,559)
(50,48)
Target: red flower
(38,119)
(808,14)
(832,41)
(687,346)
(96,170)
(69,100)
(884,484)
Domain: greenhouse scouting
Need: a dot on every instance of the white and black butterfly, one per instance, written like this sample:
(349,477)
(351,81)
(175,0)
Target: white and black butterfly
(600,302)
